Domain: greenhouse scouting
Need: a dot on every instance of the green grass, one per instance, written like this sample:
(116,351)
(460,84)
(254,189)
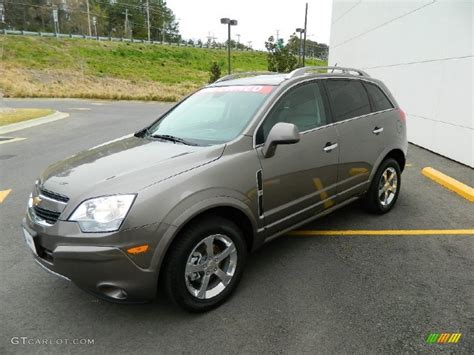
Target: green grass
(135,64)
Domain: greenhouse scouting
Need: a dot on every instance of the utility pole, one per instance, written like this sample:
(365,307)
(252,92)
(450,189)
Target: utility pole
(278,34)
(126,23)
(2,13)
(238,40)
(305,28)
(163,32)
(94,21)
(148,18)
(88,18)
(56,22)
(210,37)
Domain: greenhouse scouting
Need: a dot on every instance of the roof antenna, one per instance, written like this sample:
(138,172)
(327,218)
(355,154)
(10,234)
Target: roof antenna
(335,65)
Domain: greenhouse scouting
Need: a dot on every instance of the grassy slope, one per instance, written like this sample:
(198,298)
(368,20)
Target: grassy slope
(34,66)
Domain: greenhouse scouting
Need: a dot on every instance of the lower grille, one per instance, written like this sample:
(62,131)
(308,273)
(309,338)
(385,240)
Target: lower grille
(44,253)
(49,216)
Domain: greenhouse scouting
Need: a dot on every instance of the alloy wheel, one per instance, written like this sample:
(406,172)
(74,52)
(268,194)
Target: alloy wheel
(211,266)
(388,186)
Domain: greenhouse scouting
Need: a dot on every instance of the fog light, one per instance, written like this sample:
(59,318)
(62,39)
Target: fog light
(113,292)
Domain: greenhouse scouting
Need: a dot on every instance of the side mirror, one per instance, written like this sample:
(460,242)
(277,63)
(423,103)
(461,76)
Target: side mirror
(281,133)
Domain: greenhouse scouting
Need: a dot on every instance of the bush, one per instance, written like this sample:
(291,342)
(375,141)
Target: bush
(215,72)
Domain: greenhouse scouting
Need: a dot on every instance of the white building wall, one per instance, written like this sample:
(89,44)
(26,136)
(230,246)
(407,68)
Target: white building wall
(423,51)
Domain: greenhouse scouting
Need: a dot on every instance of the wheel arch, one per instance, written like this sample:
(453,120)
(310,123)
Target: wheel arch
(398,155)
(231,213)
(231,209)
(391,152)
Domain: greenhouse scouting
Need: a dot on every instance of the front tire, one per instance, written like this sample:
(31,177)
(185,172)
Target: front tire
(205,264)
(384,188)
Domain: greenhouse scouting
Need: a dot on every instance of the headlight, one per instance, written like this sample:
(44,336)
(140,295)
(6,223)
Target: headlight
(102,214)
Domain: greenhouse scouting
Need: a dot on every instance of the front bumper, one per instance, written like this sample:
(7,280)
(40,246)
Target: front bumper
(106,271)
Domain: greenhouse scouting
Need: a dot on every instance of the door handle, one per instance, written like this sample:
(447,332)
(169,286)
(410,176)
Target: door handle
(329,147)
(377,130)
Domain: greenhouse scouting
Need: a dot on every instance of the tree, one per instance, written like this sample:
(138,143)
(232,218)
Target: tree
(313,48)
(36,15)
(279,58)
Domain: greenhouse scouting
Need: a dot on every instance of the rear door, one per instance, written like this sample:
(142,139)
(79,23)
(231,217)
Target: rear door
(360,134)
(300,179)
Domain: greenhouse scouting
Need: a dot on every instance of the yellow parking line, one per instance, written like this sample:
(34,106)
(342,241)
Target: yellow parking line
(4,194)
(360,232)
(452,184)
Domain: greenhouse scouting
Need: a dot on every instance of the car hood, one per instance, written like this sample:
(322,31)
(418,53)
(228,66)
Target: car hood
(125,165)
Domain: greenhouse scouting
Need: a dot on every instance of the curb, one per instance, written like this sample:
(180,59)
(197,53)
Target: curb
(448,182)
(34,122)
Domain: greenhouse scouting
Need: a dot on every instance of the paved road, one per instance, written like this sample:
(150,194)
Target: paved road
(359,294)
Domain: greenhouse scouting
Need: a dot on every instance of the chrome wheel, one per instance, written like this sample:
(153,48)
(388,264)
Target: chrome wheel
(388,186)
(211,266)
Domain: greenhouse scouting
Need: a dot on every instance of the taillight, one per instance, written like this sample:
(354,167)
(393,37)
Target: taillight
(402,114)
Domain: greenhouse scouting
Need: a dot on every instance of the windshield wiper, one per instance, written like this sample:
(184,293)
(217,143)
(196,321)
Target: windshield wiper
(168,137)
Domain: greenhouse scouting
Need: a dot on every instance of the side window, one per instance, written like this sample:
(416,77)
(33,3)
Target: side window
(348,98)
(303,106)
(380,101)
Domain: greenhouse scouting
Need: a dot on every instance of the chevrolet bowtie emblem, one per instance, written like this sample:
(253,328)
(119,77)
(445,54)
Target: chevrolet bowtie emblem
(36,200)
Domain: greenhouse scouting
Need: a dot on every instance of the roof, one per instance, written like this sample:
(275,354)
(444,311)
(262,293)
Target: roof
(272,78)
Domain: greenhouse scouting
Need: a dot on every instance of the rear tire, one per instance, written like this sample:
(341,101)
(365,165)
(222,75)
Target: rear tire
(204,264)
(384,188)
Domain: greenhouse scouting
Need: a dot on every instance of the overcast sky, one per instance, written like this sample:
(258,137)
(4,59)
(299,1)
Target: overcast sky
(258,19)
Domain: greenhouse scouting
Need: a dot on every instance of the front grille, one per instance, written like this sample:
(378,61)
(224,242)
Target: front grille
(54,195)
(49,216)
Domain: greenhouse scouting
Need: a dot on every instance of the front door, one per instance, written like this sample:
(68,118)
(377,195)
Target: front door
(300,179)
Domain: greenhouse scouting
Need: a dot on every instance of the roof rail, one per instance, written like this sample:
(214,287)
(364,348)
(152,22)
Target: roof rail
(244,74)
(305,70)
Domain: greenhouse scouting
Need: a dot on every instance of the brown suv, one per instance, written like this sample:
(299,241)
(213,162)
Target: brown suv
(179,204)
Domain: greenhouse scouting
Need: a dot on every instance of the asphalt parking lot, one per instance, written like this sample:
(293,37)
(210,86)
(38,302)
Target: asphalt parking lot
(316,294)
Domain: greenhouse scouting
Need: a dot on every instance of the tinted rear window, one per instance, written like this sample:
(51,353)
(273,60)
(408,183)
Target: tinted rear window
(380,101)
(348,99)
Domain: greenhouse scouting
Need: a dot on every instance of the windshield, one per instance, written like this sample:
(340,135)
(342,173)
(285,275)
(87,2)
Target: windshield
(212,115)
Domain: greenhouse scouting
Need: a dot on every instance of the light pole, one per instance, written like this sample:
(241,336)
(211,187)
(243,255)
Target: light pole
(300,31)
(228,22)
